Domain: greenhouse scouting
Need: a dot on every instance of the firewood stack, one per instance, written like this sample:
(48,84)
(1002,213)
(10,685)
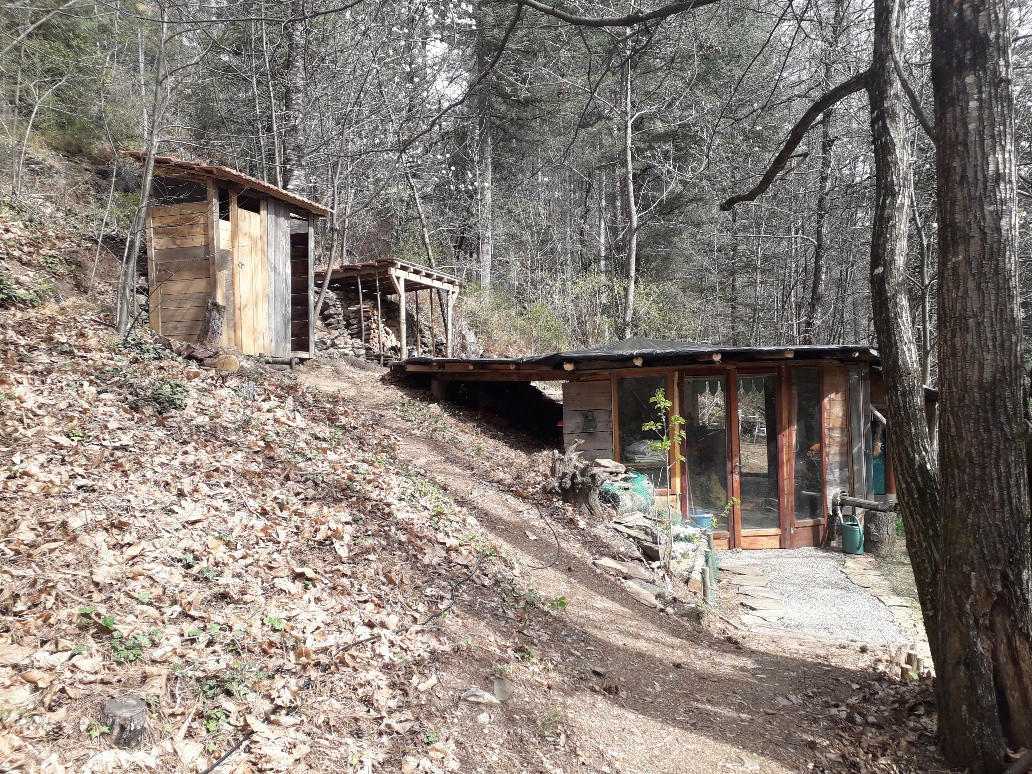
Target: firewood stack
(343,319)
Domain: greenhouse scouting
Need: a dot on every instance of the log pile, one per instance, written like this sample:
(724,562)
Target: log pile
(343,318)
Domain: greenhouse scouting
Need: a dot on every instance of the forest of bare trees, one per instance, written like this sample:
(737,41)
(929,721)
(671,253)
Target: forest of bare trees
(571,172)
(811,171)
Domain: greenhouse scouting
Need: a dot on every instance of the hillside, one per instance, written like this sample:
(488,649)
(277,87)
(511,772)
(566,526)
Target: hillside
(310,570)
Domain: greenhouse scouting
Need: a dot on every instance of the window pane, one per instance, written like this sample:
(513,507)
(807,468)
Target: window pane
(633,394)
(806,394)
(705,449)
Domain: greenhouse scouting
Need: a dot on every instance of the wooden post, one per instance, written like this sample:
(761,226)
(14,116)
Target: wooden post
(361,312)
(419,348)
(403,324)
(430,317)
(311,284)
(379,319)
(448,325)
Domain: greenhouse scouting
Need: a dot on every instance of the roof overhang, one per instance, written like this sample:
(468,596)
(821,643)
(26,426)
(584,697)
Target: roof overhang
(170,166)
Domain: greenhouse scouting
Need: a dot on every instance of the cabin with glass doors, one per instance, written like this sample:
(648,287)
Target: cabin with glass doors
(769,434)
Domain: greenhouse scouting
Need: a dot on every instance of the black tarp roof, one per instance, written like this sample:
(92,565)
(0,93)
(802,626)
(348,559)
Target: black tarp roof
(663,352)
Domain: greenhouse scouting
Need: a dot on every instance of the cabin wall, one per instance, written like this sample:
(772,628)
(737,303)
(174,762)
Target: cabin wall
(837,458)
(588,417)
(250,278)
(178,236)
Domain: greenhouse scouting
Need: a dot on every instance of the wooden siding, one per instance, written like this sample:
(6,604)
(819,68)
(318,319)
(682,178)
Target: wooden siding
(279,267)
(179,264)
(588,417)
(836,429)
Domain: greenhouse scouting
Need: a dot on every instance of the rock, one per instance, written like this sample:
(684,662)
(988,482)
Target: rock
(641,594)
(759,603)
(758,591)
(623,569)
(502,687)
(126,716)
(483,718)
(652,588)
(749,580)
(478,695)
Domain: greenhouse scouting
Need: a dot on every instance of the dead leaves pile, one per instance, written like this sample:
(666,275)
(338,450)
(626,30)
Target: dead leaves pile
(214,550)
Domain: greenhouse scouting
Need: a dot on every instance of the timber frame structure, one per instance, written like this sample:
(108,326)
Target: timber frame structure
(217,235)
(771,434)
(391,276)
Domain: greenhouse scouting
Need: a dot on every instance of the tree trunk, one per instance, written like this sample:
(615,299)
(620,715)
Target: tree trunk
(631,204)
(295,177)
(485,162)
(911,452)
(984,668)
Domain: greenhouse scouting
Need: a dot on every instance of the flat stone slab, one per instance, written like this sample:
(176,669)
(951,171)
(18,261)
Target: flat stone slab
(770,616)
(758,591)
(623,569)
(752,620)
(759,603)
(749,580)
(740,570)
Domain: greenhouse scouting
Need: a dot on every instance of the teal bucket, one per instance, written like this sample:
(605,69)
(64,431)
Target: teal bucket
(852,535)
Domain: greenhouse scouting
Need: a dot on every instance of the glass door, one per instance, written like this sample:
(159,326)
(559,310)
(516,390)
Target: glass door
(705,452)
(756,466)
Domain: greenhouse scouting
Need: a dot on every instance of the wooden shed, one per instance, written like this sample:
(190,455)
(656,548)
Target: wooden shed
(770,433)
(216,234)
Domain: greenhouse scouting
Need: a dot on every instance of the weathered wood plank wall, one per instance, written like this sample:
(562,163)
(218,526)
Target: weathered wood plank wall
(588,417)
(180,274)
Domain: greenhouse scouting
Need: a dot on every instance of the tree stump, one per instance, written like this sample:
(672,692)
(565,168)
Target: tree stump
(578,481)
(211,328)
(879,532)
(126,717)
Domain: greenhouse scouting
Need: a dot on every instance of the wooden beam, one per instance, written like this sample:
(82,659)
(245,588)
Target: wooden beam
(448,325)
(361,314)
(403,325)
(379,321)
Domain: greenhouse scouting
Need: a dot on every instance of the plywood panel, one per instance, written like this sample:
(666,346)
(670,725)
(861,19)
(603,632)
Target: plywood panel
(250,268)
(170,255)
(173,238)
(177,286)
(182,314)
(579,398)
(183,300)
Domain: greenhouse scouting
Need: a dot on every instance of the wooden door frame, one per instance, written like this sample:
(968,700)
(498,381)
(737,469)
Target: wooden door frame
(723,372)
(759,538)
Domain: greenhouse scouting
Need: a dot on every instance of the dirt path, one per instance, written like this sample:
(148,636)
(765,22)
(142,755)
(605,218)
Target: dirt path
(601,681)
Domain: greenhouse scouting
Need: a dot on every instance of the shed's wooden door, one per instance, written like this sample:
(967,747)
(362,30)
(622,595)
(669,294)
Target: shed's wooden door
(251,272)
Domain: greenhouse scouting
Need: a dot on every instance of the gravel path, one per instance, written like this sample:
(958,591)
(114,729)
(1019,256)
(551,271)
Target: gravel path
(818,597)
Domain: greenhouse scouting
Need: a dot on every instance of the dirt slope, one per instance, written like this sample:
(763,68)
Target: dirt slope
(308,571)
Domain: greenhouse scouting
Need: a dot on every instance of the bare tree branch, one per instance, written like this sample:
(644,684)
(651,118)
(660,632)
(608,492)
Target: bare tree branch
(856,83)
(472,87)
(630,20)
(915,103)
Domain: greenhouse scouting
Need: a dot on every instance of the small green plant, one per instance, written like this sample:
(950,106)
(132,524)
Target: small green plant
(188,559)
(209,573)
(168,395)
(95,730)
(557,603)
(86,613)
(274,623)
(78,650)
(430,738)
(213,719)
(126,649)
(143,597)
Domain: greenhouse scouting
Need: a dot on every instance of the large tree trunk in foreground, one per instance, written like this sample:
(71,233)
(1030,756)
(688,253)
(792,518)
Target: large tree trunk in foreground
(985,602)
(911,452)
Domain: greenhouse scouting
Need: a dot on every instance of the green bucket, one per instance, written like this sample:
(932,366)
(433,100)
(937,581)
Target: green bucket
(852,535)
